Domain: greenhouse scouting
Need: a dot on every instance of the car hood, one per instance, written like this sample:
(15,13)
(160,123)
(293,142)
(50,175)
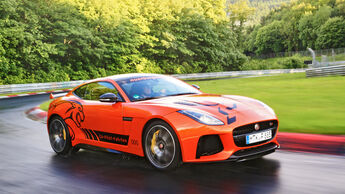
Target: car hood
(227,108)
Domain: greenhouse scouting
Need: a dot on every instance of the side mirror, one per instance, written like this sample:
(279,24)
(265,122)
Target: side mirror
(108,97)
(196,86)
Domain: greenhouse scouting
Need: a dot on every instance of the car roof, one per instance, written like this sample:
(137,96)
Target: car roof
(131,75)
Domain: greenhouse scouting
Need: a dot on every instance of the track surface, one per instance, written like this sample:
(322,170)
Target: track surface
(29,165)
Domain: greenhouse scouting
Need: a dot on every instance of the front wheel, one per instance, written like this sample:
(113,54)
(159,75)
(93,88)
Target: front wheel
(59,136)
(161,146)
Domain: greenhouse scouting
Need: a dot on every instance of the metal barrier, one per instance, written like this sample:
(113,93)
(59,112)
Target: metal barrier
(325,71)
(17,88)
(236,73)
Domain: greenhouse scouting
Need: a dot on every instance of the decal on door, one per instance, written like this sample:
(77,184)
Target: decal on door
(105,137)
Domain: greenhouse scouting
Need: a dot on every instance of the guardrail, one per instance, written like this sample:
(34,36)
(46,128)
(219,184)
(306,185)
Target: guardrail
(325,71)
(236,73)
(17,88)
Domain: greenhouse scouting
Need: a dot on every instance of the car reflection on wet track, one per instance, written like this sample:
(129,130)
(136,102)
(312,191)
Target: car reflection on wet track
(135,175)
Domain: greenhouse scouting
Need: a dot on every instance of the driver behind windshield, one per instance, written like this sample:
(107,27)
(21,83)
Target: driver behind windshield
(141,90)
(149,87)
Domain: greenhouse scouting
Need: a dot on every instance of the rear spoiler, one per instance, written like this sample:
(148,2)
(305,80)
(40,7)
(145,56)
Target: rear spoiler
(51,96)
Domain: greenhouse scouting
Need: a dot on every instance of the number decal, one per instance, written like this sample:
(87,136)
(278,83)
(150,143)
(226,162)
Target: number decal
(134,142)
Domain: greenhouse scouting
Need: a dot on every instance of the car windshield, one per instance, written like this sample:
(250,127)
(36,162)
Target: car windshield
(149,87)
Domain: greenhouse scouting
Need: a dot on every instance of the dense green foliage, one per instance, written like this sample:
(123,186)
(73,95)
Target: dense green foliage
(260,8)
(332,34)
(306,105)
(293,62)
(62,40)
(317,24)
(245,13)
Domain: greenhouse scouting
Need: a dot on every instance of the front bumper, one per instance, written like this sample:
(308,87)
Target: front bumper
(252,153)
(190,134)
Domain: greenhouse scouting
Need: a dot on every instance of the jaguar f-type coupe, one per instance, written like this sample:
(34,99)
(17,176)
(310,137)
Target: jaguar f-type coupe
(163,119)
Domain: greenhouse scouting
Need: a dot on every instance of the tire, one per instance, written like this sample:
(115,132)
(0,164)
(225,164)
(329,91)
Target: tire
(161,146)
(59,137)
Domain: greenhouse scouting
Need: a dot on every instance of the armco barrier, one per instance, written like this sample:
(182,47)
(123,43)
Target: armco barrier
(236,73)
(325,71)
(16,88)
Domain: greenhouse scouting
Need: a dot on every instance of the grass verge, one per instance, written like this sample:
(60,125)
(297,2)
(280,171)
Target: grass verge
(308,105)
(45,105)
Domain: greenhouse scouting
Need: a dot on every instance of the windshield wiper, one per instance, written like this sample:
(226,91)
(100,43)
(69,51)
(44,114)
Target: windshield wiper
(179,94)
(149,98)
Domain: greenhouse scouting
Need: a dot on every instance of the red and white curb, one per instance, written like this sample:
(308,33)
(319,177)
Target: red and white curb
(33,93)
(298,142)
(37,114)
(314,143)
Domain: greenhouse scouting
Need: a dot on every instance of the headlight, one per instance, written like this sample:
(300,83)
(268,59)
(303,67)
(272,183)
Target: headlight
(202,117)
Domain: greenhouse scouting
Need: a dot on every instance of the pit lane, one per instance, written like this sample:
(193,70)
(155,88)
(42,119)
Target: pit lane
(29,165)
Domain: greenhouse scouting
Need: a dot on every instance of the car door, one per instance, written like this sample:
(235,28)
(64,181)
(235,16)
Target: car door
(103,120)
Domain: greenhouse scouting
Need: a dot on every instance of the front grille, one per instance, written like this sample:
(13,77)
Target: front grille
(240,133)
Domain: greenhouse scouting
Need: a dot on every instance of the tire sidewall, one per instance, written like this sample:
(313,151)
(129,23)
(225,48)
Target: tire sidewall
(177,160)
(68,144)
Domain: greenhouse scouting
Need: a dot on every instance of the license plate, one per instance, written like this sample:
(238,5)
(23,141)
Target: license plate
(257,137)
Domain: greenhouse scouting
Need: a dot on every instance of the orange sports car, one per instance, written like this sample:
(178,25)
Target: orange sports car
(163,119)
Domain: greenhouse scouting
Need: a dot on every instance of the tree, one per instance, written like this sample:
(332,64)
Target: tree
(270,38)
(249,45)
(239,13)
(62,40)
(310,24)
(332,34)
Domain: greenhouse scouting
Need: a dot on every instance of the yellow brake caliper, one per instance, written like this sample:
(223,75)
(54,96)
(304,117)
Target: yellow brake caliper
(64,134)
(153,141)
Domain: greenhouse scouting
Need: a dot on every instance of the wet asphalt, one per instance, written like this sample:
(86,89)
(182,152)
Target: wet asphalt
(29,165)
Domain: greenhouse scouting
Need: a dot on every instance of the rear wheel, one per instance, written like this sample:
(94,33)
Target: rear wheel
(59,137)
(161,146)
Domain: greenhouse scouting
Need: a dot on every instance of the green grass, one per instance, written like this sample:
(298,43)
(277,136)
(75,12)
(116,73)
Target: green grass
(308,105)
(293,62)
(45,105)
(339,57)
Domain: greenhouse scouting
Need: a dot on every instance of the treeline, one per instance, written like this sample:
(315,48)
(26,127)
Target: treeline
(261,8)
(317,24)
(61,40)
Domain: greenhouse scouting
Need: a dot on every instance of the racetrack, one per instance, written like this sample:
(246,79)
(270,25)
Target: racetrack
(29,165)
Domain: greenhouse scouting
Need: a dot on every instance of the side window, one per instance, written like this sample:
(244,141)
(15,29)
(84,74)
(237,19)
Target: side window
(80,92)
(94,90)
